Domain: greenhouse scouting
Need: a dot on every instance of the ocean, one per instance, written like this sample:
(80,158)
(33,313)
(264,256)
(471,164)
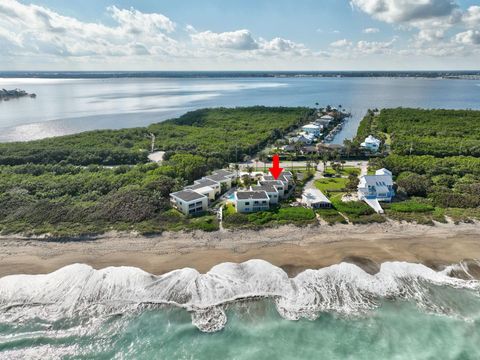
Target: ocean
(245,311)
(103,101)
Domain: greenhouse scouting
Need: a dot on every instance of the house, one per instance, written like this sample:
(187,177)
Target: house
(280,186)
(251,201)
(371,143)
(302,139)
(312,129)
(375,188)
(324,121)
(315,199)
(271,191)
(189,202)
(206,187)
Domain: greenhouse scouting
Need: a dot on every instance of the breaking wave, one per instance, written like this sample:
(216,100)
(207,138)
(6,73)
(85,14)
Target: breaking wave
(345,289)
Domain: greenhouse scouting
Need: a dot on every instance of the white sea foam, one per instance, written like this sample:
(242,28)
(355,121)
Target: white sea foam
(343,288)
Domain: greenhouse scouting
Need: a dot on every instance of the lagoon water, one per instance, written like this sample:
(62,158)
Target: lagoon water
(66,106)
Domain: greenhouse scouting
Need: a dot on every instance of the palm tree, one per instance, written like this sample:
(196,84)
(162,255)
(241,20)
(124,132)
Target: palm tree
(325,162)
(263,158)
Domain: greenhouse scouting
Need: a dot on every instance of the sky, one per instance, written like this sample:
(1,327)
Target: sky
(240,35)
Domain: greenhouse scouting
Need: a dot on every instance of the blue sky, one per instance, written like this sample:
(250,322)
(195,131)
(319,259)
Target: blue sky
(243,35)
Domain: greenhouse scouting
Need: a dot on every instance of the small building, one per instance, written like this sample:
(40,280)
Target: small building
(315,199)
(312,129)
(189,202)
(271,191)
(376,188)
(251,201)
(324,121)
(371,143)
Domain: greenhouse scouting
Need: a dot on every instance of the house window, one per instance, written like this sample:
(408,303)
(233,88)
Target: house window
(256,202)
(247,209)
(264,202)
(247,203)
(199,203)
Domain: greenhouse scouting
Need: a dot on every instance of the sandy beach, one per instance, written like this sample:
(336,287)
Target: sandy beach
(292,248)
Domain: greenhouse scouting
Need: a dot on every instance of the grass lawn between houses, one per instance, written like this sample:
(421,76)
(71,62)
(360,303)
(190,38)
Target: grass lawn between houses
(331,184)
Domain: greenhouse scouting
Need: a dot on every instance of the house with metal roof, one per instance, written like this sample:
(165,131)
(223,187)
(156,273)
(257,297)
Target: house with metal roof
(376,188)
(315,199)
(371,143)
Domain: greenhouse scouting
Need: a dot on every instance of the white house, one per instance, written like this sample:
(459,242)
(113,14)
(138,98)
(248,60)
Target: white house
(271,191)
(375,188)
(189,202)
(315,199)
(206,187)
(251,201)
(371,143)
(312,129)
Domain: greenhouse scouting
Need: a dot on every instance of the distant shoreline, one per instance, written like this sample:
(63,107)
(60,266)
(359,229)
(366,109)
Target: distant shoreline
(445,74)
(292,248)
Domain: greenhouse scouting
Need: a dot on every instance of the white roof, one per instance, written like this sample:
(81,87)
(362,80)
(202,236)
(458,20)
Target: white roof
(327,117)
(315,196)
(311,126)
(372,140)
(383,172)
(379,181)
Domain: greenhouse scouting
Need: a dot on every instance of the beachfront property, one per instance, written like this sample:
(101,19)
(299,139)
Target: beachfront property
(194,199)
(271,190)
(375,188)
(189,202)
(206,187)
(312,129)
(274,189)
(371,143)
(315,199)
(251,201)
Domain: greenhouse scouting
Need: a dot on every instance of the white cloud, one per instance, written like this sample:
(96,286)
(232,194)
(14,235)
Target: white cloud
(371,30)
(398,11)
(137,22)
(469,37)
(341,43)
(375,47)
(237,40)
(32,29)
(472,16)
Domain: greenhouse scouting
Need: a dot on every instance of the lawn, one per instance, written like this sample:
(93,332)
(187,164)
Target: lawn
(331,184)
(347,170)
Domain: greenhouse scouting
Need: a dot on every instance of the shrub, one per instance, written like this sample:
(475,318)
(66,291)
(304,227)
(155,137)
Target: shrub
(411,206)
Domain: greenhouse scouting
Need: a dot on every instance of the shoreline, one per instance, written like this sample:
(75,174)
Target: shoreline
(292,248)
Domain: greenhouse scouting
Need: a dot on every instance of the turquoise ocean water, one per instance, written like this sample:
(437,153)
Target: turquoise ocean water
(408,312)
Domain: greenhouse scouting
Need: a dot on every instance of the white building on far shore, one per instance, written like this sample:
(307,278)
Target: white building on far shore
(371,143)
